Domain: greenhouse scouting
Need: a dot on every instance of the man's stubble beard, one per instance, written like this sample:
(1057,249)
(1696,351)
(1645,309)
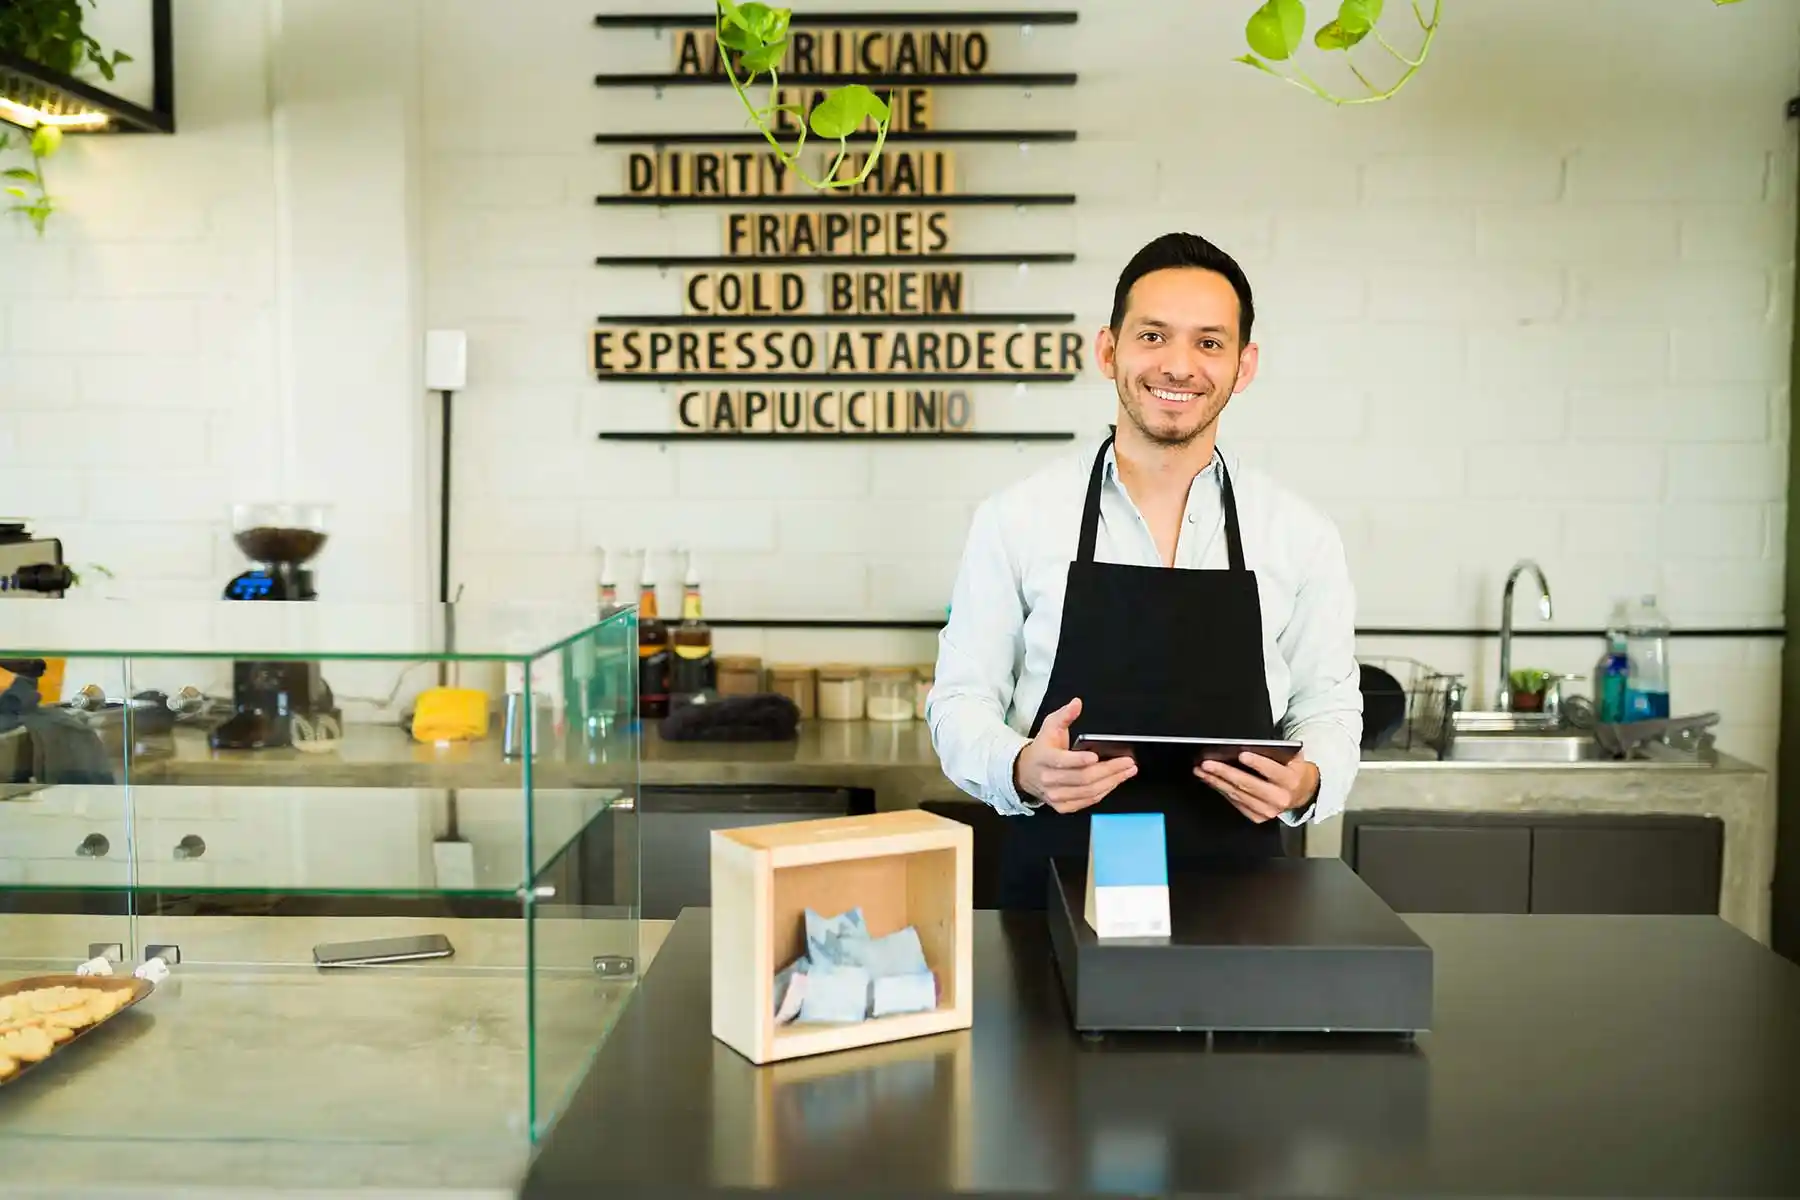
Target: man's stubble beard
(1134,412)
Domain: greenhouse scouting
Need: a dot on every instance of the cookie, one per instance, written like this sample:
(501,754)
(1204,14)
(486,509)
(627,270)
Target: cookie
(55,999)
(27,1045)
(8,1067)
(104,1004)
(75,1018)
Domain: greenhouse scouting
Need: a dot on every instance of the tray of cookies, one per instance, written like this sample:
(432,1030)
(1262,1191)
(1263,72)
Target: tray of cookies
(43,1015)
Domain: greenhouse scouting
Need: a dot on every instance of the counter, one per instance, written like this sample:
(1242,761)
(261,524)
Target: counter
(897,763)
(251,1072)
(1569,1056)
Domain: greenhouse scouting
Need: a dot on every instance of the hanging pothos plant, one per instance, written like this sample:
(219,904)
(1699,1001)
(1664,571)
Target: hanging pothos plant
(35,204)
(1276,31)
(753,38)
(48,32)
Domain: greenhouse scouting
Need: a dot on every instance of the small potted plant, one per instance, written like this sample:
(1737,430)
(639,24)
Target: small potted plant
(1528,684)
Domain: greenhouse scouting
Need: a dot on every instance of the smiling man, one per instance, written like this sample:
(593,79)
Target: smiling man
(1152,585)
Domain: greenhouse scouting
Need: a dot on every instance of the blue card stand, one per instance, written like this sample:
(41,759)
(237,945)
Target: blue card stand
(1128,876)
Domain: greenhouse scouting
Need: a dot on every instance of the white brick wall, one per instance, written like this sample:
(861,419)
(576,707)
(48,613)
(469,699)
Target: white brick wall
(1538,305)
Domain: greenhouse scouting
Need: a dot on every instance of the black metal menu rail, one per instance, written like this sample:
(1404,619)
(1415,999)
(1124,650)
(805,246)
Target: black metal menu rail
(997,79)
(813,199)
(911,17)
(960,318)
(903,137)
(972,435)
(779,260)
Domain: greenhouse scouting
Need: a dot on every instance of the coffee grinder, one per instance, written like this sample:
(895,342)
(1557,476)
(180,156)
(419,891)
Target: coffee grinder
(277,703)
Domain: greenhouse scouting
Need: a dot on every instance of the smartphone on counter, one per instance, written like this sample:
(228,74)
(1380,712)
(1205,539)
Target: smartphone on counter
(382,950)
(1140,745)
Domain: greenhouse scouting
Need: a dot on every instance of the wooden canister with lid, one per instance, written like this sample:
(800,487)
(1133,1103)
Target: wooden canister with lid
(740,675)
(799,684)
(841,692)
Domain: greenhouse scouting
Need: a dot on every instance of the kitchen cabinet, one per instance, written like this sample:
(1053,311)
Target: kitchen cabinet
(673,827)
(1425,868)
(1627,868)
(1537,862)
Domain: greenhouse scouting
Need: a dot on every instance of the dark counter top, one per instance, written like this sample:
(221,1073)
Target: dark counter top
(1570,1056)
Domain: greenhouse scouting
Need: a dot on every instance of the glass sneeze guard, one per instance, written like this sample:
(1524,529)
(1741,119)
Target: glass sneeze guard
(240,789)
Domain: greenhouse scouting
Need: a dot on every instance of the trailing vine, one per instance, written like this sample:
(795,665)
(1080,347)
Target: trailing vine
(37,204)
(753,38)
(1276,31)
(756,36)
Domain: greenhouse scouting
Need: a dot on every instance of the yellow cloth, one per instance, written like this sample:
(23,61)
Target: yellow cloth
(450,715)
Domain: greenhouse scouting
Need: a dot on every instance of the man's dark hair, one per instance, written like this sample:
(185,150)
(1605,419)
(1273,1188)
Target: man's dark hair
(1185,250)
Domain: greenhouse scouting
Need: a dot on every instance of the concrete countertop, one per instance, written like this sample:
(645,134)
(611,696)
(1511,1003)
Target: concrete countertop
(894,758)
(896,761)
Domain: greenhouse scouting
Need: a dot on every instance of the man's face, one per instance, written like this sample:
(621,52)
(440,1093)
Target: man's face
(1177,358)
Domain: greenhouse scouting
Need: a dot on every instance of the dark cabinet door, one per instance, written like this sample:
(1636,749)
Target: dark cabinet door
(1627,867)
(675,827)
(1446,868)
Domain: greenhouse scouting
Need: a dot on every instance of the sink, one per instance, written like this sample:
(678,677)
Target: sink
(1507,737)
(1526,747)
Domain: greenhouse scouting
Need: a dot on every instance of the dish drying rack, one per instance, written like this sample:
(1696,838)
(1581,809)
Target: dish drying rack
(1433,698)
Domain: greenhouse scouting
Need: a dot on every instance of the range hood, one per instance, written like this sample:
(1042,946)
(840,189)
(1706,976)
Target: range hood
(32,94)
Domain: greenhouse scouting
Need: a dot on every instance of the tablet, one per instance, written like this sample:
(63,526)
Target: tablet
(1119,745)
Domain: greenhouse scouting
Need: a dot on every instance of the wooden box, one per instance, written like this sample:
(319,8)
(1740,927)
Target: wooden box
(901,868)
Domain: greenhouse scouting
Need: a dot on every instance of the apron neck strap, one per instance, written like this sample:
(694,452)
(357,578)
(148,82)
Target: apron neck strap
(1090,511)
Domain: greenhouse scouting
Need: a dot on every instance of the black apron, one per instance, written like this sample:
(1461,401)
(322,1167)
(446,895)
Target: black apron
(1152,650)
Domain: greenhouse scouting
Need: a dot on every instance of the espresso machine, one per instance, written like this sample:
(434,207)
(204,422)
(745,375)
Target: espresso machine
(31,567)
(276,703)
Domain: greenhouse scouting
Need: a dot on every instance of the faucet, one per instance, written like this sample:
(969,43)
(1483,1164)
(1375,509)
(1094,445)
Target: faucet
(1503,700)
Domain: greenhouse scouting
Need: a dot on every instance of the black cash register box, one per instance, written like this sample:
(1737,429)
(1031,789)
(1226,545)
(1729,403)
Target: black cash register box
(1281,945)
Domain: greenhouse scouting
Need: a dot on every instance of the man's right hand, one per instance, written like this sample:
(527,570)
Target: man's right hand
(1067,780)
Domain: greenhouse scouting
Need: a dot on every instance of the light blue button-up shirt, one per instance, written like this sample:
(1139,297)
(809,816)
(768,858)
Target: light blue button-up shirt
(997,648)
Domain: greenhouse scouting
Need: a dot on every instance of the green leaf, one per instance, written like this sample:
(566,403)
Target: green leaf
(764,58)
(29,176)
(1354,21)
(19,192)
(1274,30)
(1333,36)
(1250,60)
(46,140)
(737,37)
(732,14)
(758,18)
(845,108)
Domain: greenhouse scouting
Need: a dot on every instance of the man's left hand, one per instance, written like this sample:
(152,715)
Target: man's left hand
(1266,788)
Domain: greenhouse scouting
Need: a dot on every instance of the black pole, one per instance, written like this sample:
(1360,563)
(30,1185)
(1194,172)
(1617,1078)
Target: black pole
(444,506)
(162,61)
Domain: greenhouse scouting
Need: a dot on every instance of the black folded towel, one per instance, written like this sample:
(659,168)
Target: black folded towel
(766,717)
(65,749)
